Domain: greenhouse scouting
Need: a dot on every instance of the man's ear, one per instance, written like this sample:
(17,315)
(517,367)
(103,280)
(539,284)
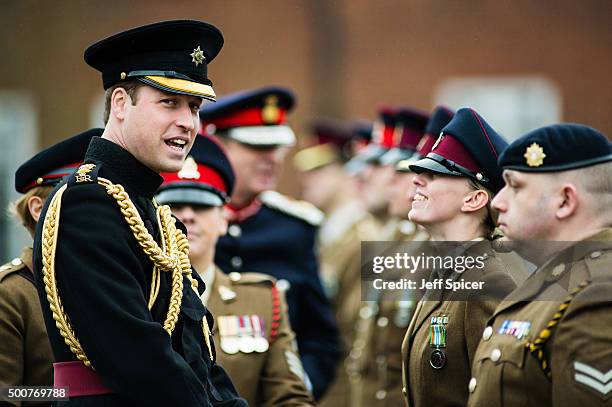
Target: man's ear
(474,201)
(119,102)
(568,203)
(35,206)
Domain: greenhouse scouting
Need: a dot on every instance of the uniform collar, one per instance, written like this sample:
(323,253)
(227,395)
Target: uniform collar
(237,215)
(125,168)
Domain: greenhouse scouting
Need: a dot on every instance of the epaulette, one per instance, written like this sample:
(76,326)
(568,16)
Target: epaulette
(85,174)
(250,278)
(599,263)
(11,267)
(299,209)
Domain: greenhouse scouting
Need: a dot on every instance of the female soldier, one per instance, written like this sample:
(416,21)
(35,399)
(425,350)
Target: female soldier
(25,353)
(452,202)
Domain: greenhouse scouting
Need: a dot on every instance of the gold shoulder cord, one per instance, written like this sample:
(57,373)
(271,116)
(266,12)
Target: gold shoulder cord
(536,348)
(173,257)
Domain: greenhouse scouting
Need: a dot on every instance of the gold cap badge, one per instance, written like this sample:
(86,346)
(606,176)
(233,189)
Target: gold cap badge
(197,56)
(189,170)
(534,155)
(270,112)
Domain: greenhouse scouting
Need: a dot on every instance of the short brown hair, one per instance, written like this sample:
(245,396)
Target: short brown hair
(130,86)
(490,220)
(20,209)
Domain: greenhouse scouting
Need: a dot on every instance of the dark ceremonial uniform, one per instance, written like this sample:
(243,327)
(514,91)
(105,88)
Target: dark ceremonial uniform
(443,334)
(548,342)
(104,281)
(278,238)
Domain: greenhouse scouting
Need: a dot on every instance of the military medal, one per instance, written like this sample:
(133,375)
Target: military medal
(261,344)
(518,329)
(246,340)
(228,330)
(437,339)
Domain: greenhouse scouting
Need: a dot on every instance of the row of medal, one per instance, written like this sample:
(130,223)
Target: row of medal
(246,334)
(518,329)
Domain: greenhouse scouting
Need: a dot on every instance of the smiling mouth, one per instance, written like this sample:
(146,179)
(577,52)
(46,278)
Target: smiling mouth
(176,144)
(419,197)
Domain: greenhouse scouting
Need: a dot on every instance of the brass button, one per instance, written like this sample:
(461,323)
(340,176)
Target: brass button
(283,285)
(382,322)
(559,268)
(16,262)
(39,180)
(234,276)
(488,332)
(595,254)
(472,385)
(236,262)
(381,394)
(404,392)
(495,354)
(234,231)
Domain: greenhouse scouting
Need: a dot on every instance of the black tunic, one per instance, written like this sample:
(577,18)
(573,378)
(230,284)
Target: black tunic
(104,279)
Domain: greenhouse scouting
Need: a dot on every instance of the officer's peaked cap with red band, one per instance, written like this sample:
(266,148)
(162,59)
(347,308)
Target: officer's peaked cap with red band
(254,117)
(52,164)
(206,179)
(468,147)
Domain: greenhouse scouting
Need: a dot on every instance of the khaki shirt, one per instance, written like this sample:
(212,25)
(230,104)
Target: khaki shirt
(274,377)
(464,322)
(25,352)
(578,345)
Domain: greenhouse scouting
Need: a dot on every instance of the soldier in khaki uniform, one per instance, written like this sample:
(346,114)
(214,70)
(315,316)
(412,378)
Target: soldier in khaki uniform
(453,193)
(326,184)
(25,353)
(549,342)
(374,363)
(255,343)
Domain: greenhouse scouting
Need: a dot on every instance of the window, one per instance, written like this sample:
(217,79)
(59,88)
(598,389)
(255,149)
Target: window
(512,105)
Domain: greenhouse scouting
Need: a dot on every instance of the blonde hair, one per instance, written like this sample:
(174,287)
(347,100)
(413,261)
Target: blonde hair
(20,210)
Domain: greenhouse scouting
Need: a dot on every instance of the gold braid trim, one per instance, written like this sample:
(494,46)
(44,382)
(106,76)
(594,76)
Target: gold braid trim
(173,256)
(536,348)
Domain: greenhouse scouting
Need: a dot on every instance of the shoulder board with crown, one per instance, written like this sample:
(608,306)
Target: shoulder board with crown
(299,209)
(11,267)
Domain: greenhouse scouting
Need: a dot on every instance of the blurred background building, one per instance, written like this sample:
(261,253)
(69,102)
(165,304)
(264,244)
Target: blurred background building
(521,63)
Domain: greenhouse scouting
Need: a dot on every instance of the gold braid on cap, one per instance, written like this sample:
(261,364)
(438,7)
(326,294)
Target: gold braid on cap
(173,257)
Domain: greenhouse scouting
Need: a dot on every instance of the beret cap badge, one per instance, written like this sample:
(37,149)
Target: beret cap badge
(197,56)
(189,170)
(534,155)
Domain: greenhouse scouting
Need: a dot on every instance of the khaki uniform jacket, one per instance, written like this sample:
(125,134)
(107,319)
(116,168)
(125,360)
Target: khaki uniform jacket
(341,275)
(465,320)
(374,364)
(25,352)
(271,378)
(577,346)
